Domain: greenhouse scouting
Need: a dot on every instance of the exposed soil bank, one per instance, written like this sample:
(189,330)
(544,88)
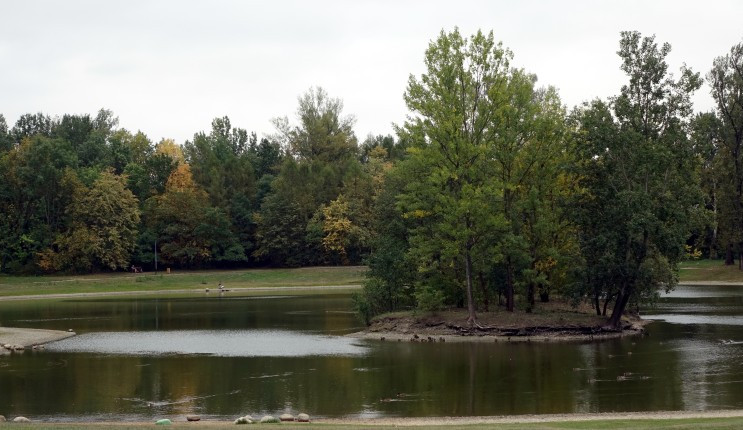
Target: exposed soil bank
(553,322)
(29,337)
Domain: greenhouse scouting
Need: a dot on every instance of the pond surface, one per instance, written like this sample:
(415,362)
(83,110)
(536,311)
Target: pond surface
(222,357)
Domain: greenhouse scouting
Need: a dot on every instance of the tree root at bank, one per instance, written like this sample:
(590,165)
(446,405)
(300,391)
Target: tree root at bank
(478,330)
(456,325)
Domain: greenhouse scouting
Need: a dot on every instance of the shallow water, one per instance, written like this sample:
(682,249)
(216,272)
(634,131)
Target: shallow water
(222,343)
(225,356)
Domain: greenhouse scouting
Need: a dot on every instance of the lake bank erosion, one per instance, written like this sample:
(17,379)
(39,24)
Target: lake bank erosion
(553,322)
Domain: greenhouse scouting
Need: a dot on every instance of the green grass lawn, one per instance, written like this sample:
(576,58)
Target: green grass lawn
(709,270)
(638,424)
(180,280)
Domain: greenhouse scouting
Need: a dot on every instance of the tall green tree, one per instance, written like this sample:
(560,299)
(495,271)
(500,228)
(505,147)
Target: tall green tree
(322,160)
(637,168)
(32,198)
(32,124)
(6,141)
(451,185)
(726,80)
(481,137)
(103,221)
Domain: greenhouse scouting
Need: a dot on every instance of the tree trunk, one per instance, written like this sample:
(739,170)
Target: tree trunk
(529,297)
(472,318)
(606,303)
(729,261)
(713,241)
(509,285)
(615,321)
(596,303)
(544,296)
(484,289)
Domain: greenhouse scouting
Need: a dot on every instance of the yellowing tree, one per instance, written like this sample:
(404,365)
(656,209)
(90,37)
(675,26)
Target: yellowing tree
(171,149)
(104,220)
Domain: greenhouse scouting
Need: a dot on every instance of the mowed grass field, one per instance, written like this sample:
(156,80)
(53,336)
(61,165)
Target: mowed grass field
(181,280)
(691,271)
(609,424)
(709,270)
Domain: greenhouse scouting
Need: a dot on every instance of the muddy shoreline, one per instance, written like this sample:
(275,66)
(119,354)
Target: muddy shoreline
(452,326)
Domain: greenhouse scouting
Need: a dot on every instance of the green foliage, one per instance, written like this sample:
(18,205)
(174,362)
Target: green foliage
(637,171)
(103,227)
(726,136)
(290,226)
(429,298)
(389,283)
(488,188)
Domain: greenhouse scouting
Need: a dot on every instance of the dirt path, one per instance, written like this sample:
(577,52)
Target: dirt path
(712,283)
(200,291)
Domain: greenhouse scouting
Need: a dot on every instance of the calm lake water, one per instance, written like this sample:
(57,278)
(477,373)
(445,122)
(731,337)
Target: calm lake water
(222,357)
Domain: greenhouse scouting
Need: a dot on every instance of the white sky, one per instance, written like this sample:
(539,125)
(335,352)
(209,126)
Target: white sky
(168,67)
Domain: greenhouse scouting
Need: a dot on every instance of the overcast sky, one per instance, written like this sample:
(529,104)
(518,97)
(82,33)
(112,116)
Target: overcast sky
(168,67)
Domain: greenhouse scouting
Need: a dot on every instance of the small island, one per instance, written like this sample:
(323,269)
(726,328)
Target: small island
(554,321)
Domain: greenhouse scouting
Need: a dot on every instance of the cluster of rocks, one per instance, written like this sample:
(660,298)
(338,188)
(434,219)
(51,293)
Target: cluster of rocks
(269,419)
(19,348)
(417,338)
(247,419)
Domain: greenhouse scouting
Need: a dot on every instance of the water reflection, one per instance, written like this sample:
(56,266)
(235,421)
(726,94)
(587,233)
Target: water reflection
(681,365)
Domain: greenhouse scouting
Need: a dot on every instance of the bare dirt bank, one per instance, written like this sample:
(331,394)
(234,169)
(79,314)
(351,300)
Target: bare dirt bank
(554,322)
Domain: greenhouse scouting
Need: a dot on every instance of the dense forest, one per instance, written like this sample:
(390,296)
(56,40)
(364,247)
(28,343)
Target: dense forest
(491,191)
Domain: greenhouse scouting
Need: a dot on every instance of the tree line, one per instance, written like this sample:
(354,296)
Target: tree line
(491,190)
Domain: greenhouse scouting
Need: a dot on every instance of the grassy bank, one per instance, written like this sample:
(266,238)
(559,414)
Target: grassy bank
(709,270)
(641,424)
(702,270)
(179,280)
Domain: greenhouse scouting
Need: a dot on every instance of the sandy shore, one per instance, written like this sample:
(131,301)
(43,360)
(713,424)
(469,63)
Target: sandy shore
(28,337)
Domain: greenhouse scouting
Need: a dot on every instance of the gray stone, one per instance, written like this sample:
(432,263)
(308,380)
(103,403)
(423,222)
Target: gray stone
(303,418)
(286,417)
(243,420)
(268,419)
(21,420)
(193,418)
(2,419)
